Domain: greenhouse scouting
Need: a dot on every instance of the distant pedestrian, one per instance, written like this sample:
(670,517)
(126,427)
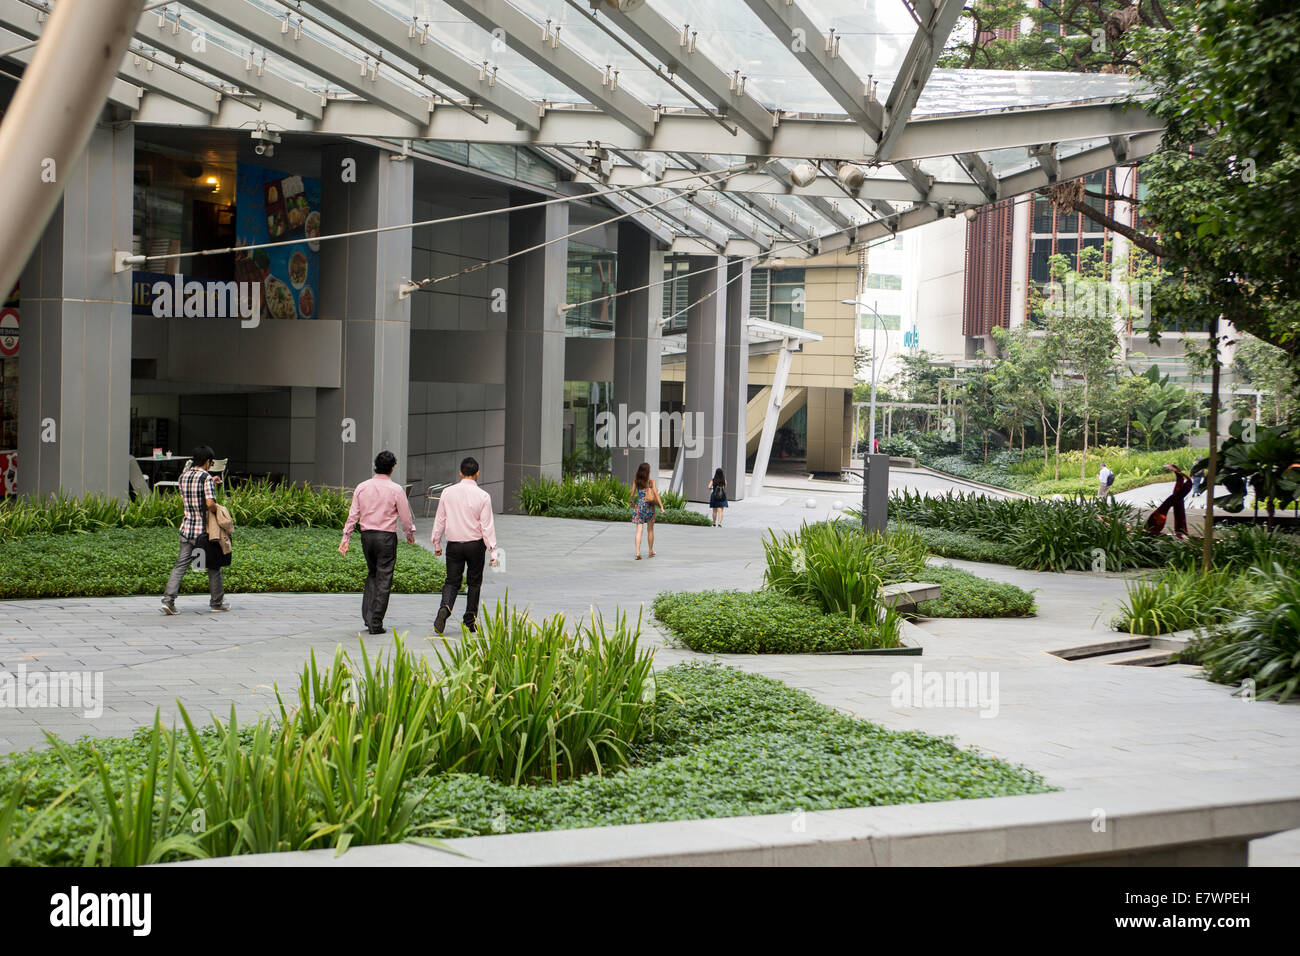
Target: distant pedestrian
(1105,479)
(718,496)
(198,491)
(465,516)
(645,498)
(1182,485)
(378,505)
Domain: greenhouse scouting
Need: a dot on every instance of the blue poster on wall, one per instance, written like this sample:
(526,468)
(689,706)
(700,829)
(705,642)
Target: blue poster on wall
(272,206)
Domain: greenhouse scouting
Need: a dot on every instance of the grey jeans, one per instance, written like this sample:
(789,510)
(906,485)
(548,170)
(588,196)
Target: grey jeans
(216,587)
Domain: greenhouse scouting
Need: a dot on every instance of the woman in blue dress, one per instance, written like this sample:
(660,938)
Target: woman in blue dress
(645,498)
(718,496)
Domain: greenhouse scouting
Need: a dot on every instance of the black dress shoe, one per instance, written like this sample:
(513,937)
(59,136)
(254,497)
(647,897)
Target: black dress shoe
(377,630)
(440,622)
(468,624)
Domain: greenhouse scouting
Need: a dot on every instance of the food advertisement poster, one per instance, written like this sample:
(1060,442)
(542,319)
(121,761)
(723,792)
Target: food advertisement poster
(272,206)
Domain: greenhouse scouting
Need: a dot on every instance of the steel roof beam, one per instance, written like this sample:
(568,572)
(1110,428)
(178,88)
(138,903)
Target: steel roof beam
(120,92)
(792,26)
(1046,156)
(1080,164)
(694,133)
(438,60)
(662,39)
(918,62)
(184,45)
(267,30)
(979,172)
(560,61)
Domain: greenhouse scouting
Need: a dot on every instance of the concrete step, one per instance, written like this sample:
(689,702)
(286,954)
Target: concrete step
(909,593)
(1116,646)
(1152,657)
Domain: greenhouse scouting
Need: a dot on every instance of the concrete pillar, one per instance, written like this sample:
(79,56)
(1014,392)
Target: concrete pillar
(74,374)
(637,317)
(360,278)
(735,397)
(535,290)
(706,339)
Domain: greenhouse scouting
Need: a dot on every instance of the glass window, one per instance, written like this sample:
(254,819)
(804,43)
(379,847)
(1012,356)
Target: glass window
(493,158)
(876,280)
(787,296)
(591,275)
(1041,267)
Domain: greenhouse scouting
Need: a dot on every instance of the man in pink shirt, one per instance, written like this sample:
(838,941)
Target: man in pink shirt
(465,516)
(378,504)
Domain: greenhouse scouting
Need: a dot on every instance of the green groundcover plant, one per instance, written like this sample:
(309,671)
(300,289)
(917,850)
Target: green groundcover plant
(624,514)
(822,593)
(125,561)
(756,622)
(1082,534)
(257,504)
(968,595)
(1262,644)
(346,769)
(600,498)
(1181,597)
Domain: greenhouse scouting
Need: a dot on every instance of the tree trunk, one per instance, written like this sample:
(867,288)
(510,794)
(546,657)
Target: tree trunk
(1056,474)
(1207,545)
(1083,465)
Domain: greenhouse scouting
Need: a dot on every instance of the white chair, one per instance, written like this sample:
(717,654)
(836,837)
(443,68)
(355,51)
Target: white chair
(218,470)
(139,480)
(434,493)
(189,463)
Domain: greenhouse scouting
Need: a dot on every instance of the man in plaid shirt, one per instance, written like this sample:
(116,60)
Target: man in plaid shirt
(198,489)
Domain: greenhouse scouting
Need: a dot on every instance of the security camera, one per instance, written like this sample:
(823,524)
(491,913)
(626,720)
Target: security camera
(264,141)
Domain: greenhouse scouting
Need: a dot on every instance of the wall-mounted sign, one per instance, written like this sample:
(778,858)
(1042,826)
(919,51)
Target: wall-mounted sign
(9,332)
(271,206)
(912,338)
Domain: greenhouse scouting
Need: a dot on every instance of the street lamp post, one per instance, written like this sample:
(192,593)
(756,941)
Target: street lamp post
(877,321)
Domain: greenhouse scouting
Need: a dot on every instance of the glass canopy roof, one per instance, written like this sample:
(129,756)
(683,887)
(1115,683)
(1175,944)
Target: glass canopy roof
(774,95)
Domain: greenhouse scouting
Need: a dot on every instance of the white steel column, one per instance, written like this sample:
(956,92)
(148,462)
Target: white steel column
(770,419)
(50,120)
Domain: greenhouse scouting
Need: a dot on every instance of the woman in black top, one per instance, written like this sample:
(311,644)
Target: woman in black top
(718,496)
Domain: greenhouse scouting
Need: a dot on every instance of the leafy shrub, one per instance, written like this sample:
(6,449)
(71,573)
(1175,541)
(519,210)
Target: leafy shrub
(137,561)
(900,446)
(257,504)
(1262,644)
(1243,546)
(624,513)
(598,496)
(1181,598)
(352,761)
(966,547)
(969,595)
(839,569)
(723,744)
(756,622)
(1044,535)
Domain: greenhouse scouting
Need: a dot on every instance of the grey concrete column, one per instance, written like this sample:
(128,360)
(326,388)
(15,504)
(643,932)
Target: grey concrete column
(706,339)
(74,373)
(735,389)
(637,318)
(535,291)
(360,278)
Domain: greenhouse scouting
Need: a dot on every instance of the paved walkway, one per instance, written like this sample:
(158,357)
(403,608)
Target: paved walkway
(1076,723)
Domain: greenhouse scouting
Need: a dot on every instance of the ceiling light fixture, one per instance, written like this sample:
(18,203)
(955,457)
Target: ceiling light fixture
(804,174)
(851,176)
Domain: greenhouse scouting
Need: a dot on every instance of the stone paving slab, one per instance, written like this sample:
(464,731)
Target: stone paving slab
(1079,723)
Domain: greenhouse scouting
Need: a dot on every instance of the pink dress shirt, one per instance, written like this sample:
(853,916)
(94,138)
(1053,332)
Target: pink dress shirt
(377,504)
(465,514)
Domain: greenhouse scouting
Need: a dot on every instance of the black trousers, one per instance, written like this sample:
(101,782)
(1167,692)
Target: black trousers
(464,556)
(380,549)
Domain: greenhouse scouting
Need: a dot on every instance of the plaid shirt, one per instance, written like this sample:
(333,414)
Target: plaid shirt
(196,487)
